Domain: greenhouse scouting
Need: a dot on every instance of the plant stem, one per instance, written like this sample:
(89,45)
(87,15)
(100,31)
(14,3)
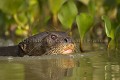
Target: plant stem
(55,20)
(81,49)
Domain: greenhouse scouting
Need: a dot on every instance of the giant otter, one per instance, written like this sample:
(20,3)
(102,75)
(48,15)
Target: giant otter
(54,42)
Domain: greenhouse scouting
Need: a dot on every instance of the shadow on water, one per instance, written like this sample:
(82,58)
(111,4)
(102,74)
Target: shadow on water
(99,65)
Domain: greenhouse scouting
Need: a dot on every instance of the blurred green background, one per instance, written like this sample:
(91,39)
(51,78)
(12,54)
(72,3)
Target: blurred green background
(91,19)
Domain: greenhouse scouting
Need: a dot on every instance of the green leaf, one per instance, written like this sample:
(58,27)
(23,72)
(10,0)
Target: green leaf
(112,45)
(84,23)
(91,7)
(68,14)
(55,5)
(108,28)
(10,6)
(21,32)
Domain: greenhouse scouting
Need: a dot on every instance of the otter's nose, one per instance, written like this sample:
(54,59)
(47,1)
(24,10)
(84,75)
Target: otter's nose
(68,40)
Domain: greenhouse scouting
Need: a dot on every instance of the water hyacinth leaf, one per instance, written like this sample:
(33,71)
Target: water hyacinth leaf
(91,7)
(11,6)
(108,27)
(55,5)
(84,23)
(19,31)
(22,32)
(67,14)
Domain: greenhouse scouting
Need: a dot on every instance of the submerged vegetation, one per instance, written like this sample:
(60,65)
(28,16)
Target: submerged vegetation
(89,20)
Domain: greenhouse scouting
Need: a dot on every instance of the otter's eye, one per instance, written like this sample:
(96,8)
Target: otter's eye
(53,37)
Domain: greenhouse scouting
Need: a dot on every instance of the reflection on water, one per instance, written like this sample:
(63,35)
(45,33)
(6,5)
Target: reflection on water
(88,66)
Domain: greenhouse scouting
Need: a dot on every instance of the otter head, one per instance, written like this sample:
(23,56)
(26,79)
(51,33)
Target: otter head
(58,43)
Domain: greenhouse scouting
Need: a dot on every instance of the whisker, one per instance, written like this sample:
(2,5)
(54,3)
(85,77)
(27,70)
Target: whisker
(34,48)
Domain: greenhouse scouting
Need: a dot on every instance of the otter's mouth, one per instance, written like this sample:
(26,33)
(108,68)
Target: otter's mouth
(68,49)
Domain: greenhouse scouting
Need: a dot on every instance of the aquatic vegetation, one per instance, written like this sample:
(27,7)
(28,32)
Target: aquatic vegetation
(84,22)
(80,17)
(112,33)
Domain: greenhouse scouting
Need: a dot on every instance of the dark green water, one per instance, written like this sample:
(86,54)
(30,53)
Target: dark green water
(99,65)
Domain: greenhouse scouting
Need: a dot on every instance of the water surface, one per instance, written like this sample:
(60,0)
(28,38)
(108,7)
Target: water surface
(98,65)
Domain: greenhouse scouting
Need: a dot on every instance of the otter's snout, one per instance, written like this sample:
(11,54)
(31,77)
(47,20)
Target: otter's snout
(68,40)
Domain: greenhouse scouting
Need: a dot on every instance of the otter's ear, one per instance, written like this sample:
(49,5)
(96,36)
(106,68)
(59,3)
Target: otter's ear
(23,46)
(47,32)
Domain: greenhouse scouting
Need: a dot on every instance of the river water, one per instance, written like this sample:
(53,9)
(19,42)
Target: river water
(97,65)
